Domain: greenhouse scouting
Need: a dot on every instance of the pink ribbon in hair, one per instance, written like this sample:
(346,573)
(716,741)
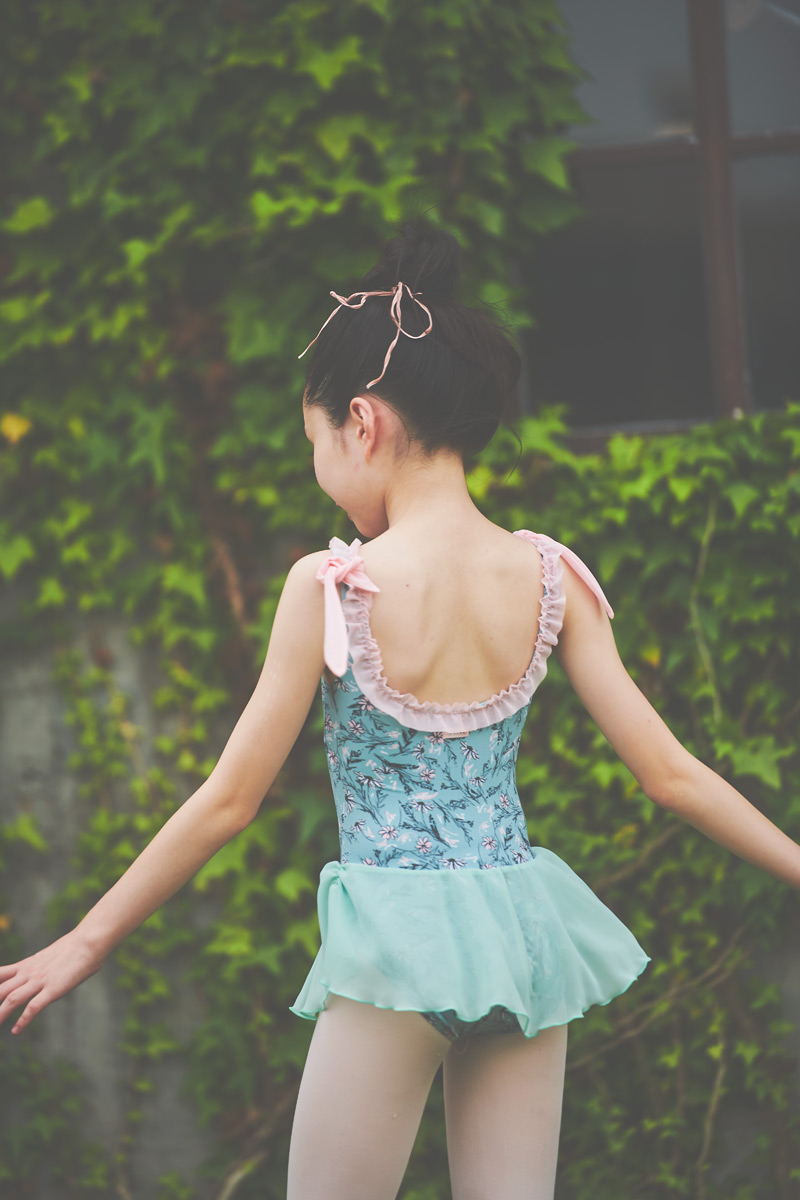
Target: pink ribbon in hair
(337,569)
(397,294)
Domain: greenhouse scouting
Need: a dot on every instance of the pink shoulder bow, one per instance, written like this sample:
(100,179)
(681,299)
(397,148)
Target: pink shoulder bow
(580,569)
(345,567)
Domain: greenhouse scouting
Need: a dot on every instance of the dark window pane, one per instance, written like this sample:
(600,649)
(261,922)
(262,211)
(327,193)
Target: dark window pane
(620,300)
(638,57)
(767,191)
(763,64)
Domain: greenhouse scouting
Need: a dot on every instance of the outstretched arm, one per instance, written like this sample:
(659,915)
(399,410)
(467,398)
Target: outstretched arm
(669,775)
(220,808)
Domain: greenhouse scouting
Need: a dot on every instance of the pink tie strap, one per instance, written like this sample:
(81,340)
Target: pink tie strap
(397,294)
(340,568)
(580,568)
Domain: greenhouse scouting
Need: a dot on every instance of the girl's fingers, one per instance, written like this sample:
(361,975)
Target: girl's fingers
(29,1012)
(17,997)
(18,979)
(7,971)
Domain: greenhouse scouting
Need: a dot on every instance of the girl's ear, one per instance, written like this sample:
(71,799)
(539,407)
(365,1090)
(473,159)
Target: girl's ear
(360,406)
(363,412)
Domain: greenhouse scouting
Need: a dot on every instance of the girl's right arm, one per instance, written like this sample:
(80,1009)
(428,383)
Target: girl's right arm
(219,809)
(669,774)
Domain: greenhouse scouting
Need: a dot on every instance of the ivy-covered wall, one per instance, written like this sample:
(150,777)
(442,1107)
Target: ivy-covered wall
(183,186)
(687,1084)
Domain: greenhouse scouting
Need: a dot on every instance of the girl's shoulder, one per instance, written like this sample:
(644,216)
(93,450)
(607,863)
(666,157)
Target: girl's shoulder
(306,567)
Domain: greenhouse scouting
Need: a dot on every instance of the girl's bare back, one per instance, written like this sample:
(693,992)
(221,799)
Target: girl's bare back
(457,615)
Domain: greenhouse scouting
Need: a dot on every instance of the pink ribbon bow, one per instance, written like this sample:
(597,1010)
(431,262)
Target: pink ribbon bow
(336,569)
(397,294)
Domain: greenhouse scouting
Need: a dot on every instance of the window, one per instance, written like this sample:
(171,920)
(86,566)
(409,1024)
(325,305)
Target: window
(674,298)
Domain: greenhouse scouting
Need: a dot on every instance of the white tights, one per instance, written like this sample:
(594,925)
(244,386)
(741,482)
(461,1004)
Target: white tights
(364,1088)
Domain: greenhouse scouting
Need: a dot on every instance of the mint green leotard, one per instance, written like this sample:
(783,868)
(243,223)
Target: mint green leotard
(439,903)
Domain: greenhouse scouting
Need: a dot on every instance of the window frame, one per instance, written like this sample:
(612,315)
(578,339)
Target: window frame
(713,147)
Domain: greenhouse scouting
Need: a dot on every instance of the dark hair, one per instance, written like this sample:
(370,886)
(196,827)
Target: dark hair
(449,388)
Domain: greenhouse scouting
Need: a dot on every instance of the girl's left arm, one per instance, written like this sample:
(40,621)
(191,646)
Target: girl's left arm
(669,774)
(220,808)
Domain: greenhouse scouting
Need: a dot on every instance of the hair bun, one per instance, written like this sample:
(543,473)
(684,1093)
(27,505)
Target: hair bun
(425,258)
(450,390)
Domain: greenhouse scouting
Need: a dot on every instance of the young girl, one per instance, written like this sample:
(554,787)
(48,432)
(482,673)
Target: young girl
(445,936)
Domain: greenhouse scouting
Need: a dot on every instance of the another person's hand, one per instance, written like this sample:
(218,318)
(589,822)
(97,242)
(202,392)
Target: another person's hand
(45,977)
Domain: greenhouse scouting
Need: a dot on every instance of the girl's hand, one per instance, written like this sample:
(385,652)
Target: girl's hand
(45,977)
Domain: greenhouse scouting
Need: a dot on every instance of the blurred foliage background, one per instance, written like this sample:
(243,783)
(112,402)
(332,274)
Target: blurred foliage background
(183,186)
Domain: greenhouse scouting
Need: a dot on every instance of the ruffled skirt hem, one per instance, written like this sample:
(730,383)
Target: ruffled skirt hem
(532,937)
(524,1021)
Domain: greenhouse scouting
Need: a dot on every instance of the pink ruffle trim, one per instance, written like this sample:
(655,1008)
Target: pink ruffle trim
(463,717)
(367,665)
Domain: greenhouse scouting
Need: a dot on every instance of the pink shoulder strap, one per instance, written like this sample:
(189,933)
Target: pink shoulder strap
(577,564)
(346,566)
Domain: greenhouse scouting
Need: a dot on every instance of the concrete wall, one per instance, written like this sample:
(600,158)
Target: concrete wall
(85,1027)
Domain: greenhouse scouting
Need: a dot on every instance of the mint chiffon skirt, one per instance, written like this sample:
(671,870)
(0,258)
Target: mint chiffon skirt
(532,937)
